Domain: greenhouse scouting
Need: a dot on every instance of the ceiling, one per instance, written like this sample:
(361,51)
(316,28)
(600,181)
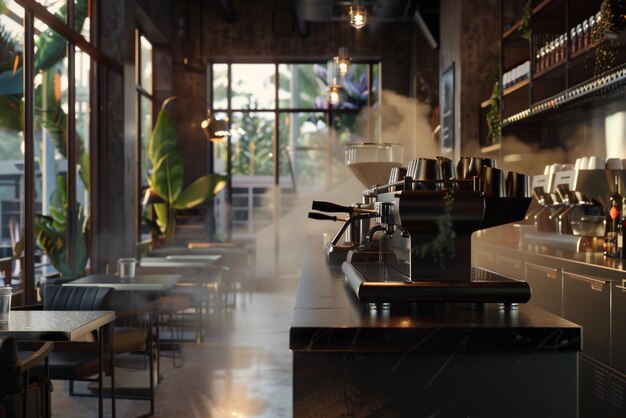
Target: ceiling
(381,13)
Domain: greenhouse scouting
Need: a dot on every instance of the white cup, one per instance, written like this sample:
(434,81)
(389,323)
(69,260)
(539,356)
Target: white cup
(554,168)
(614,164)
(596,163)
(577,164)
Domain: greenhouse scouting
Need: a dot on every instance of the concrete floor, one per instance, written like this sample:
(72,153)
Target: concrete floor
(241,369)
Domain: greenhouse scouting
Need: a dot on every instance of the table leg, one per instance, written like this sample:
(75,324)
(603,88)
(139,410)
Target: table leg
(100,372)
(151,357)
(111,337)
(158,343)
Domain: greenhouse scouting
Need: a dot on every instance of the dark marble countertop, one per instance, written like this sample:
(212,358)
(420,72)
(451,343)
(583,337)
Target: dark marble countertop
(328,317)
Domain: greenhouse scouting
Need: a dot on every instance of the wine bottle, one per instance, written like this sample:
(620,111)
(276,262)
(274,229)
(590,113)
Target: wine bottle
(613,222)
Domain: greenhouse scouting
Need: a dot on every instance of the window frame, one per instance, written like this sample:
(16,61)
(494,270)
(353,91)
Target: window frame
(330,112)
(141,92)
(65,28)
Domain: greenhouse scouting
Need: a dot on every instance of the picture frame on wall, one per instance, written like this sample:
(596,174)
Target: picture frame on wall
(446,99)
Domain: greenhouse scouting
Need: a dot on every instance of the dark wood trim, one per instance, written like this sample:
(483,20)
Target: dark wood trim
(41,13)
(229,154)
(276,137)
(72,204)
(28,283)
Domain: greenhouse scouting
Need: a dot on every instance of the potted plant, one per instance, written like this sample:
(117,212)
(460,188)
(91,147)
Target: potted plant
(166,178)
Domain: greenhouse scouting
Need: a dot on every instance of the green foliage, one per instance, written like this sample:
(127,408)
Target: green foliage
(50,231)
(493,115)
(52,236)
(252,152)
(604,37)
(166,177)
(525,28)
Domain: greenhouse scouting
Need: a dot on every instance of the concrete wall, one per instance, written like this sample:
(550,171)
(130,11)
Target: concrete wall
(470,31)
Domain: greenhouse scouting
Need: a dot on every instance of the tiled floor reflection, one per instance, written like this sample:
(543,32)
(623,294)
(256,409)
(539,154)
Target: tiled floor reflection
(242,369)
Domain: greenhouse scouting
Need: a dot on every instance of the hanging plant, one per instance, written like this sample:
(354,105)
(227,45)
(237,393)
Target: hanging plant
(525,28)
(604,37)
(493,115)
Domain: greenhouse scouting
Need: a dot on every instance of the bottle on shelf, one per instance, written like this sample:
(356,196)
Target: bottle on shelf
(613,223)
(572,40)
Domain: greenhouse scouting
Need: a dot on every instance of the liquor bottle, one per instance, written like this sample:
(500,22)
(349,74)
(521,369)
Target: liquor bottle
(613,222)
(620,240)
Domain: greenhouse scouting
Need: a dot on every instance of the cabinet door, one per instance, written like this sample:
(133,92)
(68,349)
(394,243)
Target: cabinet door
(618,328)
(546,287)
(617,391)
(512,267)
(593,382)
(586,302)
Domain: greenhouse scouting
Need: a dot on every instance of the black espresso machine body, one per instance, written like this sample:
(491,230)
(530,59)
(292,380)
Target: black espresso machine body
(419,247)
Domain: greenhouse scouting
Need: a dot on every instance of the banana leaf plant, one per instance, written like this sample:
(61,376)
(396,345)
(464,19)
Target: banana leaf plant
(166,177)
(50,230)
(52,234)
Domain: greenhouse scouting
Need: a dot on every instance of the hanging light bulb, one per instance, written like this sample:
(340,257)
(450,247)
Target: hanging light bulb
(334,91)
(358,15)
(332,80)
(342,61)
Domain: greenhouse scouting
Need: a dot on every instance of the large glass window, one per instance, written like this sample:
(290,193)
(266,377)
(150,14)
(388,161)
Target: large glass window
(11,132)
(144,118)
(291,124)
(55,150)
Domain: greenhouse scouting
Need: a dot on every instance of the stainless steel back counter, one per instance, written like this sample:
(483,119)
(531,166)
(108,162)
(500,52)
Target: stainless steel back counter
(583,287)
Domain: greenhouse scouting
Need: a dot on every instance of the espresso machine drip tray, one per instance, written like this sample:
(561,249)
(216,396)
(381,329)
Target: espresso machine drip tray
(376,282)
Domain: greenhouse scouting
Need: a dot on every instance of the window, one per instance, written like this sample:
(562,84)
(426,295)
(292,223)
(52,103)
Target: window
(45,151)
(284,135)
(144,114)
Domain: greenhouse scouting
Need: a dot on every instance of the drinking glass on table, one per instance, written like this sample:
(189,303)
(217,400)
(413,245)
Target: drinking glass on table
(126,267)
(5,303)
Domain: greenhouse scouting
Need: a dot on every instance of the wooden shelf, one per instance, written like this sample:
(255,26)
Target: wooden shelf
(610,83)
(512,29)
(541,6)
(486,103)
(581,52)
(491,148)
(549,69)
(515,87)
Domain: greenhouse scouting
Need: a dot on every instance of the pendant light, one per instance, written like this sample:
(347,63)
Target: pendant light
(332,79)
(342,62)
(358,14)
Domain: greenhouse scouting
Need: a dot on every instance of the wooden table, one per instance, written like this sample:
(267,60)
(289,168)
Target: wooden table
(65,326)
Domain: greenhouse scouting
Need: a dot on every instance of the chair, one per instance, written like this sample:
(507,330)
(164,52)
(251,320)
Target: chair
(76,365)
(22,395)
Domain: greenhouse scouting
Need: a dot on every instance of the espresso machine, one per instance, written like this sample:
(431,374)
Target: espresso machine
(417,247)
(571,207)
